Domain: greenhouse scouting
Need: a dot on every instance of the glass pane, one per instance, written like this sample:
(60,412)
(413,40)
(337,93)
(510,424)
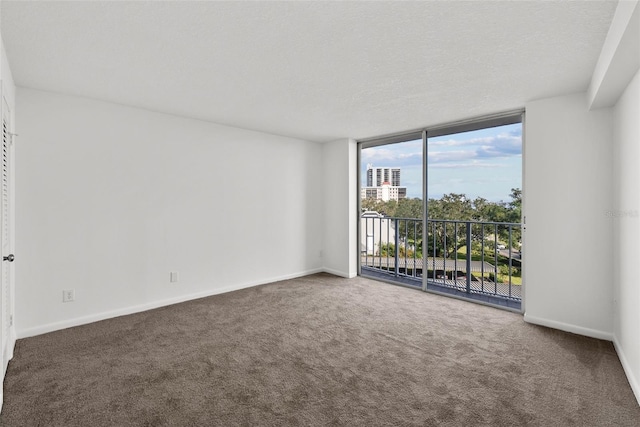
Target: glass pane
(474,206)
(392,208)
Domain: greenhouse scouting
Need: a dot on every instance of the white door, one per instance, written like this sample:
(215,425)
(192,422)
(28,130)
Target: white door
(6,313)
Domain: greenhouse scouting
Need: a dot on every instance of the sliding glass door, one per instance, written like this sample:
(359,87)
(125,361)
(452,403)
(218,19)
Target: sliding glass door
(441,207)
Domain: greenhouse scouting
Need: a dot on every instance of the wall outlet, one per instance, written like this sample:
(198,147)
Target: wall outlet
(68,295)
(173,276)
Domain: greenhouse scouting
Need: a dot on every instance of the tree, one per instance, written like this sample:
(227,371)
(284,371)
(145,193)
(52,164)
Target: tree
(515,205)
(445,237)
(369,204)
(410,226)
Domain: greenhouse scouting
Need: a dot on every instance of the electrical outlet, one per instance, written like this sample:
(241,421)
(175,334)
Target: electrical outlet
(173,276)
(68,295)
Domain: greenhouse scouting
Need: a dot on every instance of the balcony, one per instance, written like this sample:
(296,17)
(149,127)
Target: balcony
(469,259)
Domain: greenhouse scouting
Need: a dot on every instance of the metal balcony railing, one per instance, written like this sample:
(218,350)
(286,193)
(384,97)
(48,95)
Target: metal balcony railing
(472,257)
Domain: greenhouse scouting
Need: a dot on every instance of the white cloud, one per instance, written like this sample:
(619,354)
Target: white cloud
(383,157)
(473,164)
(500,146)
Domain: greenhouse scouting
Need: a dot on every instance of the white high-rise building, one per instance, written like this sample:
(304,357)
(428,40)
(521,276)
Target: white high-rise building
(383,184)
(377,176)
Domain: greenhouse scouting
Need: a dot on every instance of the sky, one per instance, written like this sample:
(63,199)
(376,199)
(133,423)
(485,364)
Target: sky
(484,163)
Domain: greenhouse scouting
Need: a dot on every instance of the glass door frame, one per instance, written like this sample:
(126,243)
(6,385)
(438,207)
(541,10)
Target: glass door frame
(468,125)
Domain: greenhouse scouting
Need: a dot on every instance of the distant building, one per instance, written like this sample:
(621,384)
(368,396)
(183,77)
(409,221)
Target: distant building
(375,230)
(383,184)
(377,176)
(385,192)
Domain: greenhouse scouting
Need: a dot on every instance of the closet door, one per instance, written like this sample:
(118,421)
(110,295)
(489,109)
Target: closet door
(6,315)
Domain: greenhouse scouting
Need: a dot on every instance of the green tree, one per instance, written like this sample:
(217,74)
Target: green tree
(515,205)
(369,204)
(444,238)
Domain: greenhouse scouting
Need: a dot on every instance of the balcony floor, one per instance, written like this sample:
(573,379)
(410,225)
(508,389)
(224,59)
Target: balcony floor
(447,288)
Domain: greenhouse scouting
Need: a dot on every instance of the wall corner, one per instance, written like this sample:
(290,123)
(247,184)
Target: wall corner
(340,207)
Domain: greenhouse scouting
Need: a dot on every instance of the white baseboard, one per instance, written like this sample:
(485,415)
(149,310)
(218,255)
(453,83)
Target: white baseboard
(8,355)
(567,327)
(11,345)
(8,350)
(339,273)
(633,381)
(78,321)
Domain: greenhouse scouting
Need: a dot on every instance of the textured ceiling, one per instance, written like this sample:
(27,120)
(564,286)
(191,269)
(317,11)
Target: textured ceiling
(312,70)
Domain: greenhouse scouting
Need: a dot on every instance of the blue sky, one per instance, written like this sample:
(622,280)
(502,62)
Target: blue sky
(484,163)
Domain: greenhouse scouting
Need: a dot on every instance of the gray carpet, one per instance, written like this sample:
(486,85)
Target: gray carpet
(319,350)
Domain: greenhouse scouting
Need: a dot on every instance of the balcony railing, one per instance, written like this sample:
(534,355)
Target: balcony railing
(469,257)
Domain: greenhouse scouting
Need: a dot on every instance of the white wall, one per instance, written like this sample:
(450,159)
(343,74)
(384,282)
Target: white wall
(111,199)
(568,245)
(340,207)
(9,88)
(626,251)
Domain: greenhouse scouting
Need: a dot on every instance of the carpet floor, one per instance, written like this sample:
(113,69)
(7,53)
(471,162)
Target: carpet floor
(317,350)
